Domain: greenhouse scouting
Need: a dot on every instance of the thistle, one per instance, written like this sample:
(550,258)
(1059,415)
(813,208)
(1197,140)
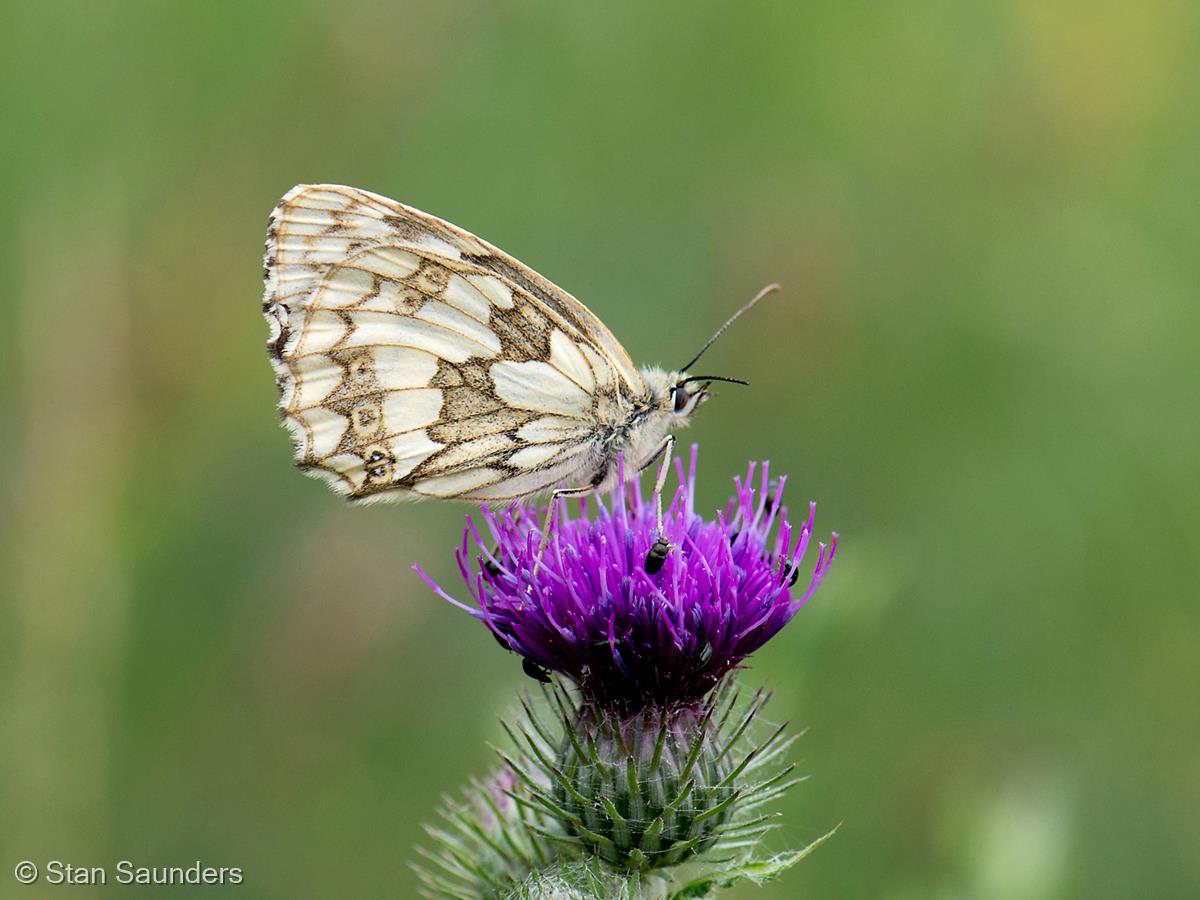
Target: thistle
(489,840)
(641,762)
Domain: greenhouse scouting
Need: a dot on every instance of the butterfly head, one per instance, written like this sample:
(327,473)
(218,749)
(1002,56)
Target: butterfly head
(676,395)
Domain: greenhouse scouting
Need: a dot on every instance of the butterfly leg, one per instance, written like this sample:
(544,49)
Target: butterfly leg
(660,482)
(552,514)
(661,548)
(664,450)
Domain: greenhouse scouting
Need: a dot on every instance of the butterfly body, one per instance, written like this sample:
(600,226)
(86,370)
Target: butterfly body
(416,360)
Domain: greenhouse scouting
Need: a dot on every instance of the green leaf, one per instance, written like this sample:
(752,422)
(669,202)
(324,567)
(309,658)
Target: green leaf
(755,871)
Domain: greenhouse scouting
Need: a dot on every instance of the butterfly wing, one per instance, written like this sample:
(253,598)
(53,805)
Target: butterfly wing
(414,359)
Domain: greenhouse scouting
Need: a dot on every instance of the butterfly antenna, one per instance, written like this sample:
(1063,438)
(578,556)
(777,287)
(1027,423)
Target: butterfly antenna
(769,289)
(692,378)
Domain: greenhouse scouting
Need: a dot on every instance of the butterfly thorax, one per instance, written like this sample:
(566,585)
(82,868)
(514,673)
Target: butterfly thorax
(635,427)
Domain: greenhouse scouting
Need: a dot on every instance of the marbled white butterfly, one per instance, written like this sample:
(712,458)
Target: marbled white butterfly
(415,360)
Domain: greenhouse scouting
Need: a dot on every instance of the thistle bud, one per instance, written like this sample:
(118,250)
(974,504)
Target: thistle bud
(486,843)
(645,791)
(652,788)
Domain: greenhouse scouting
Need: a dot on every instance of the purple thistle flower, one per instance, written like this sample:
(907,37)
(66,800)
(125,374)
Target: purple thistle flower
(632,622)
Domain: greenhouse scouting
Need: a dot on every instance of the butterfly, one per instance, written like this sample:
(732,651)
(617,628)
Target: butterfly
(415,360)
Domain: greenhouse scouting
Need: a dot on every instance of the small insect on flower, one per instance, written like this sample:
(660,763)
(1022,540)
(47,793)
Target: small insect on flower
(415,360)
(637,615)
(534,671)
(657,556)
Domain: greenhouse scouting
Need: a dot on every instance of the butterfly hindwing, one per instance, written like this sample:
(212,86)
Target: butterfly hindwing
(414,359)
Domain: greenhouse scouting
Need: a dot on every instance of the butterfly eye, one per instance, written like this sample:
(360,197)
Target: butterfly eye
(681,398)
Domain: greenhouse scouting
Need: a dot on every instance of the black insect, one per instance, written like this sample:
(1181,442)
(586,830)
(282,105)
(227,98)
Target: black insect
(489,562)
(657,556)
(772,495)
(535,671)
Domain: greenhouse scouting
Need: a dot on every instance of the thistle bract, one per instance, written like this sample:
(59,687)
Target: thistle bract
(486,842)
(652,789)
(647,790)
(636,618)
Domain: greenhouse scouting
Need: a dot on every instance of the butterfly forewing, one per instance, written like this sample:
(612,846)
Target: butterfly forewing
(414,359)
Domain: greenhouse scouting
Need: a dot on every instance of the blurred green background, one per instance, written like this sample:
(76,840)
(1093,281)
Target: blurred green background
(984,367)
